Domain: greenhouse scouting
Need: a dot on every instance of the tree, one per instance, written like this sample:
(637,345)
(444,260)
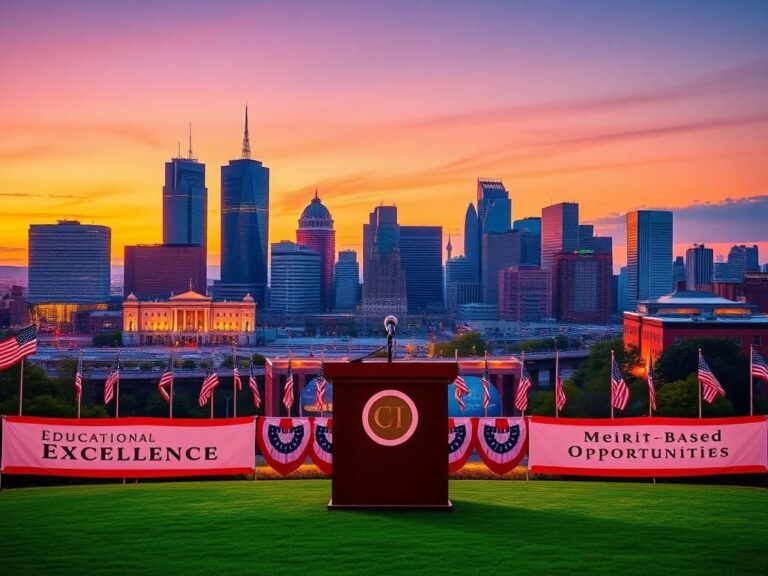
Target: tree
(680,398)
(468,344)
(724,358)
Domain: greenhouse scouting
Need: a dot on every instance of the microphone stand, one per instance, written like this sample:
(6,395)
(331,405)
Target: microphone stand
(389,346)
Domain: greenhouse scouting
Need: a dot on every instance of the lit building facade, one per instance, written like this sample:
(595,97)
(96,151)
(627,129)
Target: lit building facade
(188,319)
(649,255)
(316,232)
(699,266)
(461,285)
(530,240)
(559,233)
(162,270)
(384,287)
(500,250)
(346,280)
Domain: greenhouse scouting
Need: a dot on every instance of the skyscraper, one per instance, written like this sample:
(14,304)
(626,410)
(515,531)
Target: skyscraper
(185,203)
(384,285)
(559,234)
(530,239)
(743,259)
(494,208)
(596,244)
(649,255)
(500,250)
(346,279)
(699,265)
(472,240)
(678,272)
(421,259)
(244,227)
(295,285)
(316,232)
(461,285)
(69,262)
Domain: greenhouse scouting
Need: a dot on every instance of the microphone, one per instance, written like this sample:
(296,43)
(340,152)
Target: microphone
(390,325)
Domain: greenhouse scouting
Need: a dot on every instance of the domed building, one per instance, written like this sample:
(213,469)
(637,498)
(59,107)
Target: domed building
(317,233)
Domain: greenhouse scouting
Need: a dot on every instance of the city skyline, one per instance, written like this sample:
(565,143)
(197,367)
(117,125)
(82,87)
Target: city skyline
(677,121)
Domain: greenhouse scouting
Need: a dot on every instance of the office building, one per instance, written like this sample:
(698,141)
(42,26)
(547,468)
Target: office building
(499,252)
(69,262)
(472,240)
(494,208)
(678,272)
(185,203)
(316,232)
(295,285)
(596,244)
(584,287)
(559,233)
(649,255)
(244,227)
(622,303)
(699,267)
(346,280)
(158,271)
(524,294)
(461,285)
(530,240)
(384,284)
(752,289)
(421,260)
(743,259)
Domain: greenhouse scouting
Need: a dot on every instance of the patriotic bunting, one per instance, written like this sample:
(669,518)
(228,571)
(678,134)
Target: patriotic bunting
(460,442)
(501,443)
(284,442)
(322,444)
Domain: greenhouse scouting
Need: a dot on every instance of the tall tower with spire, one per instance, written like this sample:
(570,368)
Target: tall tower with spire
(244,226)
(185,204)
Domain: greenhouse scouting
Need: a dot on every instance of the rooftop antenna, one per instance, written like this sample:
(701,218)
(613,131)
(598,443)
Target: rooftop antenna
(178,155)
(190,140)
(246,141)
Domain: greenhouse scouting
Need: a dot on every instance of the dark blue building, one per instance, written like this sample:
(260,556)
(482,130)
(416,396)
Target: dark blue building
(421,257)
(244,227)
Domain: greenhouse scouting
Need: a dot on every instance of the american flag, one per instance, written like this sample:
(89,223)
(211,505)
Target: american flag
(320,393)
(210,384)
(521,398)
(651,385)
(236,375)
(166,380)
(288,388)
(17,347)
(112,381)
(486,382)
(253,386)
(461,389)
(79,380)
(559,393)
(619,388)
(759,366)
(710,387)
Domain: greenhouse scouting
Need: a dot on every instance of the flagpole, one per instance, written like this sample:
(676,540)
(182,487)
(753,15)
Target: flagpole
(213,390)
(170,399)
(698,378)
(80,395)
(557,378)
(234,383)
(612,361)
(21,385)
(751,381)
(117,391)
(650,404)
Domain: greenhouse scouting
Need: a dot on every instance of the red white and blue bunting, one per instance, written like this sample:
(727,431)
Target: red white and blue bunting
(501,442)
(284,442)
(322,444)
(460,441)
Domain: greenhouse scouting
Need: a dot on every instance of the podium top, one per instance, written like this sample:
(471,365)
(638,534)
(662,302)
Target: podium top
(414,370)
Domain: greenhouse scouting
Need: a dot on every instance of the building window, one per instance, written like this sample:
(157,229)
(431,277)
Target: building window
(757,341)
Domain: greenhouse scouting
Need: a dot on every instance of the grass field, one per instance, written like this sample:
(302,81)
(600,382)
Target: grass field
(283,527)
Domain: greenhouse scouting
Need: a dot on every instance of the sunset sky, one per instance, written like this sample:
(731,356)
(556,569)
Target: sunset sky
(614,105)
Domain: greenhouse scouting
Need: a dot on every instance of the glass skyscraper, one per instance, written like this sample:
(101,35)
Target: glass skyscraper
(421,257)
(649,255)
(69,262)
(244,227)
(494,208)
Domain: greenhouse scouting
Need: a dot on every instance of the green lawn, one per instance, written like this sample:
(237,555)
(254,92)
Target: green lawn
(282,527)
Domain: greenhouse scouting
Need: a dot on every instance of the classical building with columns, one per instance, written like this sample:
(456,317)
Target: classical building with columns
(189,319)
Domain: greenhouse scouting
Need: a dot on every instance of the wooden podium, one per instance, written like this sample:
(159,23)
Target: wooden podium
(390,434)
